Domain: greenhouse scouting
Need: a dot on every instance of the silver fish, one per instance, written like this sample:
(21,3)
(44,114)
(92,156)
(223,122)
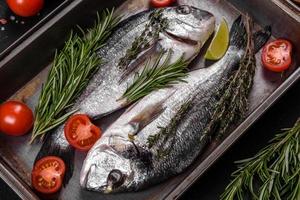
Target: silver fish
(163,133)
(187,30)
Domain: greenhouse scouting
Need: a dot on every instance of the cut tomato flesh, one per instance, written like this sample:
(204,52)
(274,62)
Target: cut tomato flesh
(276,55)
(48,174)
(81,133)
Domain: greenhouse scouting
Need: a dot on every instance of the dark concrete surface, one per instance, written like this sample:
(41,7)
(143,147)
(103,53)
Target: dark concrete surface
(209,187)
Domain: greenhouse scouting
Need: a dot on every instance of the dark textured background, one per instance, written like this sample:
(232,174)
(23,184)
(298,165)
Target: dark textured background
(15,29)
(209,187)
(282,115)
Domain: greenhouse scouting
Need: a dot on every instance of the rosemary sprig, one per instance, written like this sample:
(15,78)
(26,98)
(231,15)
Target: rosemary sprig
(71,70)
(274,173)
(159,75)
(233,103)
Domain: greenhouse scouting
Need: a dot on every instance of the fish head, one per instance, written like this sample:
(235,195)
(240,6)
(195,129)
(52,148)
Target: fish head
(110,168)
(189,24)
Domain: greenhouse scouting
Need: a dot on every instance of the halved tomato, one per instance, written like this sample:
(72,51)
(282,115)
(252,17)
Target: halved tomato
(81,133)
(48,174)
(276,55)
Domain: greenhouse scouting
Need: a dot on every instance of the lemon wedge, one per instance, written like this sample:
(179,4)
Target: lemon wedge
(220,42)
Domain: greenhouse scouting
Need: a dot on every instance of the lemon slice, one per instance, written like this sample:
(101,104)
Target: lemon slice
(220,42)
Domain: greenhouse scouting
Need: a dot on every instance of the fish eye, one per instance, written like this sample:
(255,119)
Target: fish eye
(184,9)
(115,178)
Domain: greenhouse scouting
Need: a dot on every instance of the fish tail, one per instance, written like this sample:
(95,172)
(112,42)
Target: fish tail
(50,147)
(238,34)
(261,37)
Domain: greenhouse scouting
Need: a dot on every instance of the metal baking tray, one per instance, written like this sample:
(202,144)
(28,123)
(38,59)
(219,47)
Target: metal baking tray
(23,72)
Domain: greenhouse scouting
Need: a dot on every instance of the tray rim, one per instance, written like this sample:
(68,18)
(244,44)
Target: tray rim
(39,30)
(26,192)
(16,183)
(6,172)
(33,29)
(289,8)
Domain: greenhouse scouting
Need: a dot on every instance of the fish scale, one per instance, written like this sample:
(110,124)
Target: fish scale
(167,143)
(191,128)
(102,94)
(145,150)
(109,73)
(200,89)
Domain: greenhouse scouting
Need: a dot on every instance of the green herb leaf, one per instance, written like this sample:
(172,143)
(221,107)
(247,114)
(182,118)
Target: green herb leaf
(233,103)
(71,70)
(156,76)
(275,169)
(157,23)
(166,134)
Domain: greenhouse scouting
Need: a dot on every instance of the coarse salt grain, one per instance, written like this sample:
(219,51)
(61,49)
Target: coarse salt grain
(3,21)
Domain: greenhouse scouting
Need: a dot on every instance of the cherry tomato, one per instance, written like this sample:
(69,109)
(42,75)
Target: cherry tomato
(81,133)
(276,55)
(25,8)
(161,3)
(16,118)
(48,174)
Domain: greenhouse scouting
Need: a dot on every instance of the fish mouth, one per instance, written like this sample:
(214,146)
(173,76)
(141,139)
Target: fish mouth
(84,181)
(185,40)
(84,175)
(89,169)
(89,166)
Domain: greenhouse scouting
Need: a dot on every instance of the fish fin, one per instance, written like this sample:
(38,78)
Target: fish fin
(150,113)
(132,106)
(261,37)
(143,56)
(127,19)
(98,117)
(238,34)
(51,148)
(147,115)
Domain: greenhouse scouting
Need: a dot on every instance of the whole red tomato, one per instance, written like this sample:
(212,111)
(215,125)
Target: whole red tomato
(16,118)
(161,3)
(25,8)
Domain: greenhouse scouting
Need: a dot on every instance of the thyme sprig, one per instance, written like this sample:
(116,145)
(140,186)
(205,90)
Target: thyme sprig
(233,103)
(155,76)
(157,23)
(164,139)
(274,173)
(71,70)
